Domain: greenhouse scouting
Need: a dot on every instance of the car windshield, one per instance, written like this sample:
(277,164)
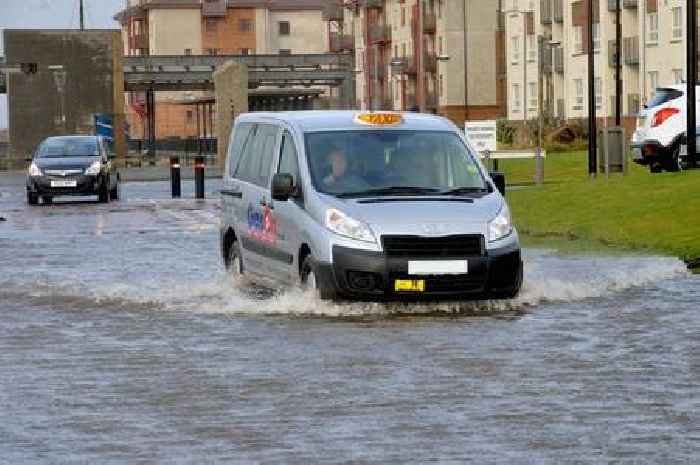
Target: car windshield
(69,147)
(392,162)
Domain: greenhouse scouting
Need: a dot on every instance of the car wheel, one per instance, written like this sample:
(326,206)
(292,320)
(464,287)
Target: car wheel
(116,193)
(104,192)
(234,265)
(673,161)
(311,282)
(32,198)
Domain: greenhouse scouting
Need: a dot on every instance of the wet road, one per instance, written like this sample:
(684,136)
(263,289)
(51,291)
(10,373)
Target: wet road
(121,341)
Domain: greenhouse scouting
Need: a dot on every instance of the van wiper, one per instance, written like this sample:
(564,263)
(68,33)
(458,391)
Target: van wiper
(392,190)
(464,190)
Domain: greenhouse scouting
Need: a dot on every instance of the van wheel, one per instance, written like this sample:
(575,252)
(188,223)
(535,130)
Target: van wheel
(510,292)
(116,193)
(234,264)
(103,194)
(32,198)
(310,281)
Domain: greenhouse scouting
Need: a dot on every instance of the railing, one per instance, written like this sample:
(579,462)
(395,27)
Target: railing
(140,40)
(212,8)
(630,48)
(630,3)
(400,65)
(379,33)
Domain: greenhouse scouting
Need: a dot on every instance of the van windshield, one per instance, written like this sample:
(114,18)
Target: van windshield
(365,162)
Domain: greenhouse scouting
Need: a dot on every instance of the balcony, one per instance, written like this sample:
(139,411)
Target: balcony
(140,41)
(545,12)
(558,11)
(630,51)
(630,4)
(546,56)
(612,53)
(429,23)
(559,60)
(341,42)
(431,100)
(379,34)
(214,8)
(372,3)
(400,65)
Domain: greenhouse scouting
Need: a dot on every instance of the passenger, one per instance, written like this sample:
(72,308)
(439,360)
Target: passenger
(340,179)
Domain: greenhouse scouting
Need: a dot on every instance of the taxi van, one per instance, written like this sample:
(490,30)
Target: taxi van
(365,206)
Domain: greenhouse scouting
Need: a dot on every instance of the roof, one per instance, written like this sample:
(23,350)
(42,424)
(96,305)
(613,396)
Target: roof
(331,120)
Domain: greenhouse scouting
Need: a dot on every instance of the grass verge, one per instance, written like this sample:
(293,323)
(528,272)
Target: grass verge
(638,211)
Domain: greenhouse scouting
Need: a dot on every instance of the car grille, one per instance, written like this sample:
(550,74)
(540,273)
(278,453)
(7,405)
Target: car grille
(433,247)
(63,173)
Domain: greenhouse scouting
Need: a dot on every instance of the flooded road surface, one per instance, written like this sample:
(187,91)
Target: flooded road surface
(122,341)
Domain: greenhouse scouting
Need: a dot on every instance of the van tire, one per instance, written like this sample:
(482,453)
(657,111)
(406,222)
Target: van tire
(309,271)
(103,193)
(32,198)
(510,292)
(115,193)
(234,264)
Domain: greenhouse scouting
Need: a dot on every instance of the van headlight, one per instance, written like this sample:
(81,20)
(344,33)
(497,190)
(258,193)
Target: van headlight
(34,170)
(342,224)
(501,226)
(94,169)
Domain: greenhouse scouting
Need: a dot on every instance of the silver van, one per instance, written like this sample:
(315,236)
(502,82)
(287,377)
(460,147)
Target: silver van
(366,206)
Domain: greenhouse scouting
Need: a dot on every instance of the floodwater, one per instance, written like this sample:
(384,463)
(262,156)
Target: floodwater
(123,341)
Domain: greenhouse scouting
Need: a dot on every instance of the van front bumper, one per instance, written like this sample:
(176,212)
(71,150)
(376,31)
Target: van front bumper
(367,275)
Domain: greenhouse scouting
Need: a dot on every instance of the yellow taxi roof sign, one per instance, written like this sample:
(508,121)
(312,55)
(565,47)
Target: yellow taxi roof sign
(379,118)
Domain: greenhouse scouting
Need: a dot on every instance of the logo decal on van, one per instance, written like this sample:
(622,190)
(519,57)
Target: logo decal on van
(262,225)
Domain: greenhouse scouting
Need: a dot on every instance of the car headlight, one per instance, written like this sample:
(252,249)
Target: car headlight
(501,226)
(34,170)
(342,224)
(94,169)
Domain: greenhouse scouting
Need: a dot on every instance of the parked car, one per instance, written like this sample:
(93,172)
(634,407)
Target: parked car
(660,137)
(368,206)
(72,165)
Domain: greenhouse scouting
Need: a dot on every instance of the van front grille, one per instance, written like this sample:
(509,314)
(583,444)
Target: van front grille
(434,247)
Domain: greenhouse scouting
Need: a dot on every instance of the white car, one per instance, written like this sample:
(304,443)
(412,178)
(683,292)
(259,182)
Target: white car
(659,140)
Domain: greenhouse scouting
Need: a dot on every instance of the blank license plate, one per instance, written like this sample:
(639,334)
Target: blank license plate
(409,285)
(438,267)
(64,183)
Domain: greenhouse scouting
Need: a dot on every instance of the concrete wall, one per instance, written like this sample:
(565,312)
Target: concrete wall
(231,83)
(94,84)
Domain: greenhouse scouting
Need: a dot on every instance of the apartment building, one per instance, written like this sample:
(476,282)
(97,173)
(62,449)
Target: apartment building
(547,40)
(441,56)
(213,27)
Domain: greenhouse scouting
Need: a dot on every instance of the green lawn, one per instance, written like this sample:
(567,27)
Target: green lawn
(659,212)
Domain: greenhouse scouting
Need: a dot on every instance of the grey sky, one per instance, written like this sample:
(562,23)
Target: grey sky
(53,14)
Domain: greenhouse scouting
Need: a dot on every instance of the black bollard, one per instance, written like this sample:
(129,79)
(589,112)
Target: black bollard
(199,177)
(175,177)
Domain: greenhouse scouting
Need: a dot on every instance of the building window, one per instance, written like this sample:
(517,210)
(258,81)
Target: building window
(678,76)
(578,39)
(188,51)
(285,51)
(653,81)
(403,16)
(515,50)
(652,28)
(596,37)
(440,45)
(245,25)
(531,48)
(190,116)
(439,9)
(516,98)
(598,83)
(403,50)
(441,86)
(245,51)
(284,28)
(210,25)
(578,94)
(677,32)
(532,89)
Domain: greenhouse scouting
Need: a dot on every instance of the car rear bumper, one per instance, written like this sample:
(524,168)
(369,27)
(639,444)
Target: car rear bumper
(365,275)
(84,185)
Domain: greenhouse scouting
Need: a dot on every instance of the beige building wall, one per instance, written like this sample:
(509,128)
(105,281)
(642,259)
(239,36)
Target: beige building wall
(173,31)
(308,33)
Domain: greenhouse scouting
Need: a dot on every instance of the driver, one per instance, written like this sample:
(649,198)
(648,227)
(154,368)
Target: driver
(340,179)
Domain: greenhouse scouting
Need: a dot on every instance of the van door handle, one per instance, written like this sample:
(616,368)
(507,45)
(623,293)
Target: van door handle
(237,194)
(264,203)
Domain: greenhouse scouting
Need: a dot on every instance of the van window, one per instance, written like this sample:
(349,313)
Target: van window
(347,163)
(241,135)
(256,163)
(288,157)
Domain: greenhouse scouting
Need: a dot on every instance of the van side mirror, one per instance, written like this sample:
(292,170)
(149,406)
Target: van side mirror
(499,179)
(282,186)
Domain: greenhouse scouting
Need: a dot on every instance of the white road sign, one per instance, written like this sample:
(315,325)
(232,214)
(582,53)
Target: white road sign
(481,134)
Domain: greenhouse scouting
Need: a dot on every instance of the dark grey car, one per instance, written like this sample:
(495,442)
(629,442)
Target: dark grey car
(72,165)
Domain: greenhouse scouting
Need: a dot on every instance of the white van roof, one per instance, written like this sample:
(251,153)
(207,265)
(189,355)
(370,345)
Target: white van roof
(334,120)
